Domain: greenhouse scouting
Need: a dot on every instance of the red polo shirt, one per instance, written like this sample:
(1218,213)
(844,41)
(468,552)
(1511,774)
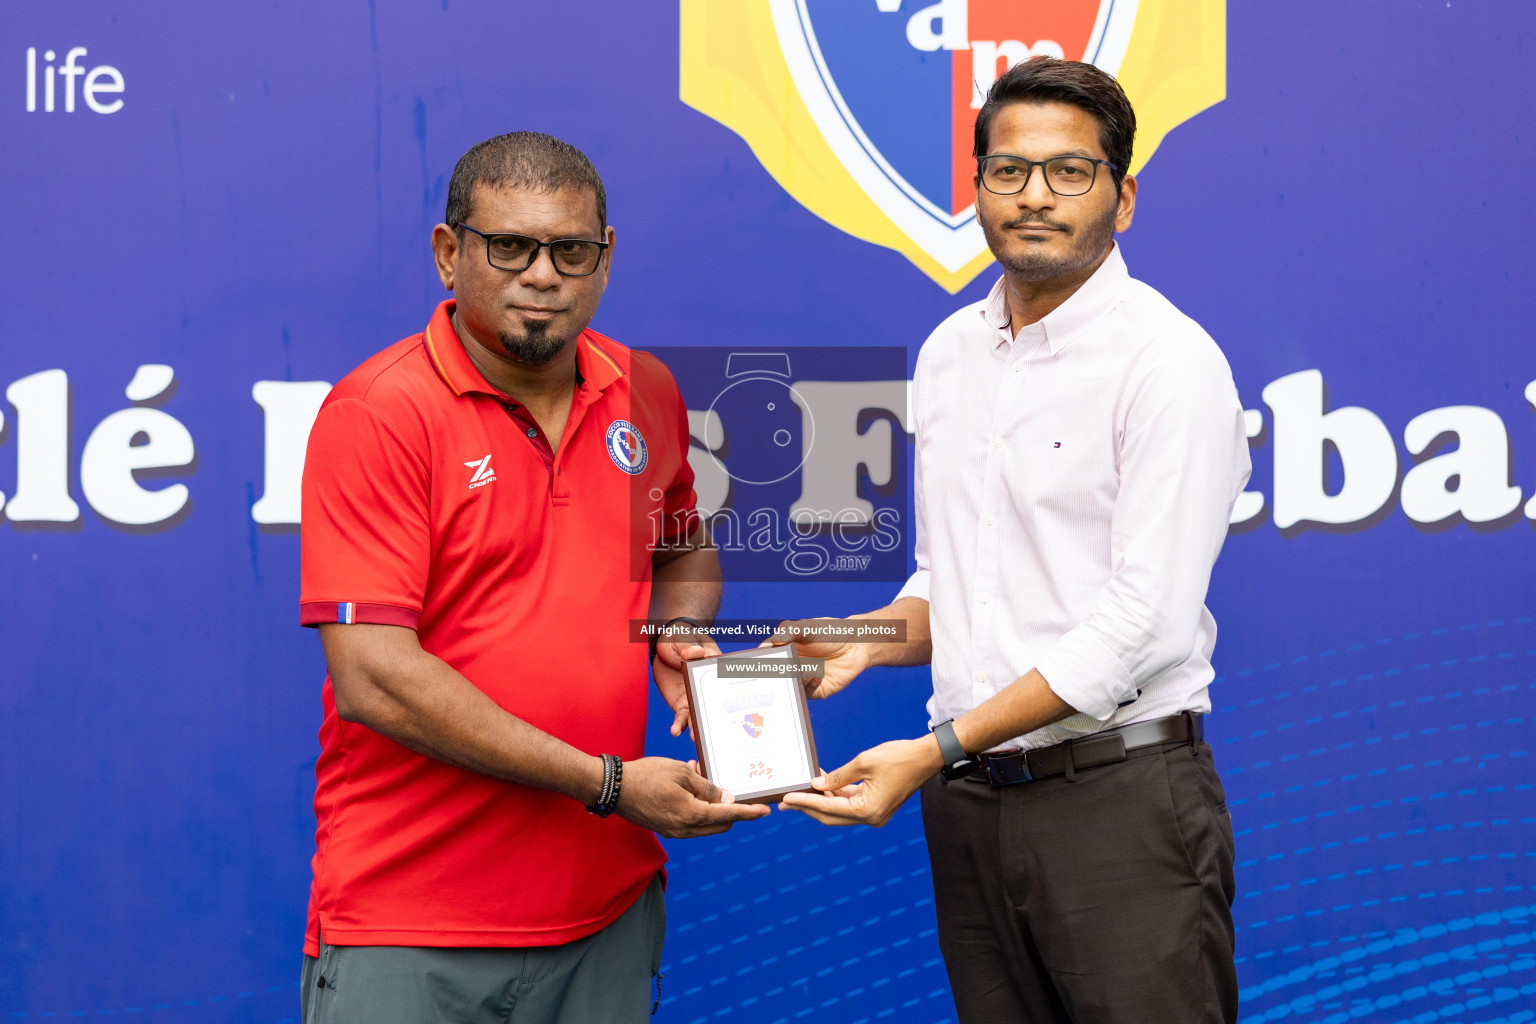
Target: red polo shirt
(432,501)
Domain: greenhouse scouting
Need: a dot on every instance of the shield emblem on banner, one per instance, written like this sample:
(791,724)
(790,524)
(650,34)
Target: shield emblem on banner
(864,109)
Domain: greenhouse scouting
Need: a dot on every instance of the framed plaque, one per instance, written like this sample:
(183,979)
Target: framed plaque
(753,731)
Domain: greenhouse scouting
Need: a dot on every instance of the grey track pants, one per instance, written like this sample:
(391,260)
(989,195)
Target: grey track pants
(603,977)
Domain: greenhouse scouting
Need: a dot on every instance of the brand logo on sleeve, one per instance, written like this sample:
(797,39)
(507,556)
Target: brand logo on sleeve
(626,447)
(483,475)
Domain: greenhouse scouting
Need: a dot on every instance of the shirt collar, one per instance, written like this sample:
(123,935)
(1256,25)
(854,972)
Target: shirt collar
(1097,296)
(595,368)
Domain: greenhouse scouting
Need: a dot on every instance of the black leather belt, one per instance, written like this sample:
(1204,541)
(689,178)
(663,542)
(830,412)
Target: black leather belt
(1007,767)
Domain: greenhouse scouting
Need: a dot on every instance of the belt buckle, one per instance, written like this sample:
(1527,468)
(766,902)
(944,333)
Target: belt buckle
(999,765)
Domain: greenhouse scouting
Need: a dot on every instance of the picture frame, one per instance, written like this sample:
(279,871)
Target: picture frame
(753,734)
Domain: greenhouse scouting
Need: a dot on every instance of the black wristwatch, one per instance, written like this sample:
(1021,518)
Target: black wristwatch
(957,763)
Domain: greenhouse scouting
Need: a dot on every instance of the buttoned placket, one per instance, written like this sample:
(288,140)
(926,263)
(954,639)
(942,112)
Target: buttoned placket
(583,400)
(1015,354)
(580,400)
(530,428)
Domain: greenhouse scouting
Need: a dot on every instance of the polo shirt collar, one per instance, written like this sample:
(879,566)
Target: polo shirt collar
(595,368)
(1097,296)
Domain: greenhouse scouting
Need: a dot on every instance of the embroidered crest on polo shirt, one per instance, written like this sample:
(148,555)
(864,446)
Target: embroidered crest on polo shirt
(626,447)
(483,475)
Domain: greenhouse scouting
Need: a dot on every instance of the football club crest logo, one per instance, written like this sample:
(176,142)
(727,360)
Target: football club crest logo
(864,109)
(753,724)
(626,447)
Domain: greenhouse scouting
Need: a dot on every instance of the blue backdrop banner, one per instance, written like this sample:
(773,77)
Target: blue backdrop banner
(212,211)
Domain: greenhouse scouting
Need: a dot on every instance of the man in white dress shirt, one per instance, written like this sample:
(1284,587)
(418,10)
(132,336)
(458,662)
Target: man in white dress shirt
(1080,444)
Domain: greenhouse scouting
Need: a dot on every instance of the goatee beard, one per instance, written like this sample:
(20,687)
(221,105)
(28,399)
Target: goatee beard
(1033,266)
(535,347)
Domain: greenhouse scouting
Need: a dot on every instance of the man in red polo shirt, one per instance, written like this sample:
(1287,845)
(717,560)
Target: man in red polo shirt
(475,499)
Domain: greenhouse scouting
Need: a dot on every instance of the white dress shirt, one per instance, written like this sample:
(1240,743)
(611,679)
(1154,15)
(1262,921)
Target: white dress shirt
(1073,487)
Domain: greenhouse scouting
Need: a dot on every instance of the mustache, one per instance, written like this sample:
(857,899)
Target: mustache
(1036,218)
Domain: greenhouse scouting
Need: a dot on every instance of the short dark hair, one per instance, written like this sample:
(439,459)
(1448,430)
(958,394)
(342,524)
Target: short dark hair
(522,160)
(1051,79)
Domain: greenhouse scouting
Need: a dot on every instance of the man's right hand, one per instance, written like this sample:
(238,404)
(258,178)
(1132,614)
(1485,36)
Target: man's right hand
(676,802)
(844,661)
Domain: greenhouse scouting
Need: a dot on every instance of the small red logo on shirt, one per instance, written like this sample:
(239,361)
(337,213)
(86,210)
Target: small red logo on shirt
(1056,445)
(484,474)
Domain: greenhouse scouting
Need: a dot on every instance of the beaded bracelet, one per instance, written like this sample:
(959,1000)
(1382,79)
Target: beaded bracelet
(613,778)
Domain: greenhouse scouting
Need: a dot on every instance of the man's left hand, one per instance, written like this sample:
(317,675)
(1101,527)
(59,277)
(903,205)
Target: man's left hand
(871,787)
(672,678)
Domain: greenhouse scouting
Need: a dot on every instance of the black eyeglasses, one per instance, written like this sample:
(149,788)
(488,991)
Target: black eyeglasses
(1006,175)
(571,257)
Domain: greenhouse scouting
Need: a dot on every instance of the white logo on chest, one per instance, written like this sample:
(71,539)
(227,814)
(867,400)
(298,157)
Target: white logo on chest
(484,474)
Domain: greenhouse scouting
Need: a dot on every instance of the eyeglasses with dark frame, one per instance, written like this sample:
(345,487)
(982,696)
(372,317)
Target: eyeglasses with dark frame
(1005,174)
(571,257)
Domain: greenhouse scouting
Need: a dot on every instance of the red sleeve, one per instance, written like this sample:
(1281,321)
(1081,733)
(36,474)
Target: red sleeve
(365,521)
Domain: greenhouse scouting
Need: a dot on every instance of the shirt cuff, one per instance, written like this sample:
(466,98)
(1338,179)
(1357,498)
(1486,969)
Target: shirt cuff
(1086,674)
(350,613)
(917,586)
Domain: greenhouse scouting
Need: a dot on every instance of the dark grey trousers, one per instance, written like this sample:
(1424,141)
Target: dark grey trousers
(1102,901)
(603,977)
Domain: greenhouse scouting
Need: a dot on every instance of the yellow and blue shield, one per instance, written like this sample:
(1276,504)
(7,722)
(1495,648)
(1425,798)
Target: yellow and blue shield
(864,109)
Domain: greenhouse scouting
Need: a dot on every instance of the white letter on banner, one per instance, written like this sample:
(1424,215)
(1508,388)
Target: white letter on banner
(711,483)
(289,409)
(1480,461)
(112,457)
(1302,429)
(829,478)
(70,71)
(953,33)
(985,54)
(42,450)
(1530,396)
(94,85)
